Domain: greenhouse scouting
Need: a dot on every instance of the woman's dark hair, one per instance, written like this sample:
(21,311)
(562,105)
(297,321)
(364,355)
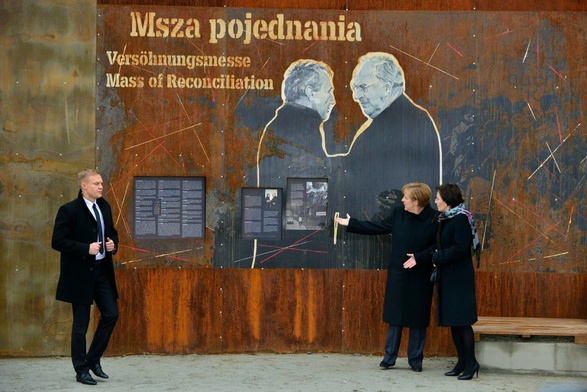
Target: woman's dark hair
(451,194)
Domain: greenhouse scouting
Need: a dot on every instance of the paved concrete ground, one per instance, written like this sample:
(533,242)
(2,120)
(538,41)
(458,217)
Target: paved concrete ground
(268,373)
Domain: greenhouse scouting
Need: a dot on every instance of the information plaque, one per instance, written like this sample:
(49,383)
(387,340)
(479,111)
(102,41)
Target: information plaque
(170,207)
(307,203)
(262,213)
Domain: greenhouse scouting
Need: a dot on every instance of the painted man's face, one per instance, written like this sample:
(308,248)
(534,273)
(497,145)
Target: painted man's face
(370,92)
(323,99)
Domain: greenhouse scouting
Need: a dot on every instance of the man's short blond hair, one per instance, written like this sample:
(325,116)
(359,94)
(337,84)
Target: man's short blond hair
(81,176)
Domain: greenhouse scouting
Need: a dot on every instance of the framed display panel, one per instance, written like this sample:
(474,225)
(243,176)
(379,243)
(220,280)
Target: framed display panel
(262,212)
(204,91)
(306,206)
(169,207)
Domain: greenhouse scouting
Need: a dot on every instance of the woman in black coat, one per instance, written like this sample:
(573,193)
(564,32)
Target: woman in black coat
(455,277)
(408,292)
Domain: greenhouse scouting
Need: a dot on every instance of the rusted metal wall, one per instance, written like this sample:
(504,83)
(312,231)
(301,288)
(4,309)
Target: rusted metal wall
(401,5)
(505,91)
(292,310)
(47,133)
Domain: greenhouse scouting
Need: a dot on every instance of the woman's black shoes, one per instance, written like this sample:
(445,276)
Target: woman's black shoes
(458,369)
(468,376)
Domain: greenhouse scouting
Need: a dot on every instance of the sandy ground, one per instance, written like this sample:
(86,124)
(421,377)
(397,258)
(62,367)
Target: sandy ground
(267,372)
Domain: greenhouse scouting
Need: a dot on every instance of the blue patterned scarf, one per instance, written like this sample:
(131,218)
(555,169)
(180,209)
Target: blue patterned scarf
(460,209)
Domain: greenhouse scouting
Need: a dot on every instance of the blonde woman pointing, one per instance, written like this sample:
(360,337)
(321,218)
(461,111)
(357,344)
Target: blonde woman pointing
(408,292)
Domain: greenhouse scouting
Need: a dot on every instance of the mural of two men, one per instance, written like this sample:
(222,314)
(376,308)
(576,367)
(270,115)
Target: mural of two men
(291,143)
(398,143)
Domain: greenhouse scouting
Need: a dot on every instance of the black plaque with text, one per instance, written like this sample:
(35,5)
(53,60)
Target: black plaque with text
(262,213)
(170,207)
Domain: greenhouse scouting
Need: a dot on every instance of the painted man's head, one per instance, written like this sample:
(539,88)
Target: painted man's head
(377,81)
(309,83)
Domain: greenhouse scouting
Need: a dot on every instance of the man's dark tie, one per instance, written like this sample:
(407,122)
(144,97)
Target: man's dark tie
(100,232)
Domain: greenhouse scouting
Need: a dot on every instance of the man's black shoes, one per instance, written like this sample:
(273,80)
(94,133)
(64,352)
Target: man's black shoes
(97,370)
(386,365)
(85,378)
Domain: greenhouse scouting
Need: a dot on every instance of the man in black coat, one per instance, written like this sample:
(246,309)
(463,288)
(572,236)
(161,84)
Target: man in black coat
(292,145)
(292,142)
(398,144)
(85,235)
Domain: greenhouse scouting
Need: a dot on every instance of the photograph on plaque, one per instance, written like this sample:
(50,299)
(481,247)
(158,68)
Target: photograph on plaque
(306,203)
(169,207)
(262,213)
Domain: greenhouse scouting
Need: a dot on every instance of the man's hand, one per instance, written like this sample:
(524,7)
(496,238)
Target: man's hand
(95,248)
(110,247)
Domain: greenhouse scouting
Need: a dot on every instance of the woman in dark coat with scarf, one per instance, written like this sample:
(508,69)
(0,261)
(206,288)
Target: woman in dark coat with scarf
(456,305)
(408,292)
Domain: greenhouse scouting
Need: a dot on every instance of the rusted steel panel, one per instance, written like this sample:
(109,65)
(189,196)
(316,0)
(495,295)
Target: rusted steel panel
(520,294)
(47,109)
(374,5)
(504,93)
(208,311)
(47,91)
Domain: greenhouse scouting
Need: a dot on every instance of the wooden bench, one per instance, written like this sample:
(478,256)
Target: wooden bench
(532,326)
